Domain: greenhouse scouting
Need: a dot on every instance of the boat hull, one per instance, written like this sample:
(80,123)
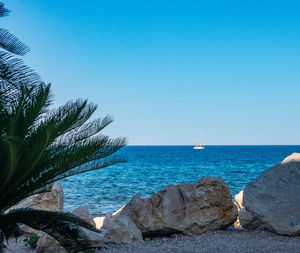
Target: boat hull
(199,147)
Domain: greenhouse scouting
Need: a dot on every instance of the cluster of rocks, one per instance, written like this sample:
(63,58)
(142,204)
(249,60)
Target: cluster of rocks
(186,208)
(272,201)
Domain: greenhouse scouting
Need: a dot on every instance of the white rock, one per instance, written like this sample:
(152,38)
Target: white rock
(99,221)
(119,229)
(239,199)
(187,208)
(50,201)
(47,244)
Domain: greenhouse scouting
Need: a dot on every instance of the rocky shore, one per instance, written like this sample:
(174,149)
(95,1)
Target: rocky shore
(198,217)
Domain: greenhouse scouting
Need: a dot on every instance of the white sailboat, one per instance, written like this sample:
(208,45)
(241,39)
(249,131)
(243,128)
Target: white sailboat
(200,146)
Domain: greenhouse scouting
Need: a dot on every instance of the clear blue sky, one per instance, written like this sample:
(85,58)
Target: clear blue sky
(169,71)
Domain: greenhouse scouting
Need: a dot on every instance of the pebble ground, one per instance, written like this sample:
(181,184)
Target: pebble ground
(225,241)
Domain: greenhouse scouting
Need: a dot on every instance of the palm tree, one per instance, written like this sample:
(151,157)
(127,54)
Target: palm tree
(8,41)
(40,145)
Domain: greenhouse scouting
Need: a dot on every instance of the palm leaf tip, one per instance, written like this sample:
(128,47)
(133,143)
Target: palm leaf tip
(3,11)
(13,74)
(11,43)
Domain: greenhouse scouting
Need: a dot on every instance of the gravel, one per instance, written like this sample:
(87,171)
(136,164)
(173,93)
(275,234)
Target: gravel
(244,241)
(225,241)
(18,246)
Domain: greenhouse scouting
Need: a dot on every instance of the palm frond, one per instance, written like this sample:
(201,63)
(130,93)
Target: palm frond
(83,132)
(3,11)
(11,43)
(40,146)
(64,227)
(13,73)
(28,110)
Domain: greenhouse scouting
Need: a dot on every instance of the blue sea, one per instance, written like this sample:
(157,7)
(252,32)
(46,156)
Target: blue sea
(151,168)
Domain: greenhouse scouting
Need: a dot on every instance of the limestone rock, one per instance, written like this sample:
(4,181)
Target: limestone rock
(84,213)
(47,244)
(99,221)
(237,223)
(96,239)
(239,199)
(274,197)
(119,229)
(295,157)
(185,208)
(50,201)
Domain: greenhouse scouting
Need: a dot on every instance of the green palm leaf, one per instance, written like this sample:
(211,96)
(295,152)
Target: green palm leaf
(9,41)
(64,227)
(40,145)
(43,146)
(3,11)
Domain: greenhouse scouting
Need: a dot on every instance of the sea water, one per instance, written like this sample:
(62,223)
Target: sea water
(151,168)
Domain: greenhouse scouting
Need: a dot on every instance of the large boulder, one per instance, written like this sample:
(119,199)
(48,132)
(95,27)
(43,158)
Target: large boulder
(119,228)
(274,197)
(49,201)
(185,208)
(245,219)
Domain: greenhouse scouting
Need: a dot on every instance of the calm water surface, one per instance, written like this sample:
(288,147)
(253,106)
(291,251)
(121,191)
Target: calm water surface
(151,168)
